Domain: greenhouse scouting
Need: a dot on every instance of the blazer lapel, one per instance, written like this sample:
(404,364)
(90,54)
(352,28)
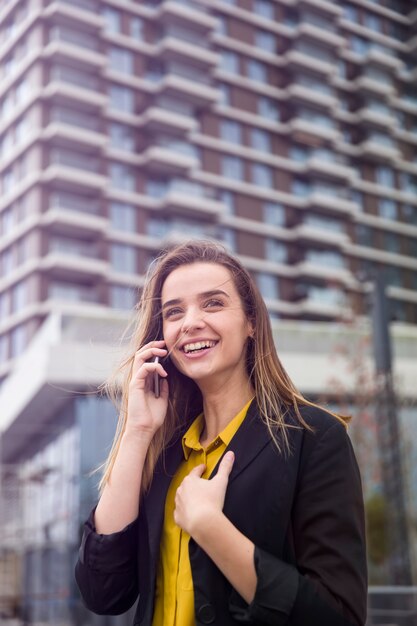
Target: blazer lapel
(247,443)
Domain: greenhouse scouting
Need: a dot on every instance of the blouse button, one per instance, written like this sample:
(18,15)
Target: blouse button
(206,614)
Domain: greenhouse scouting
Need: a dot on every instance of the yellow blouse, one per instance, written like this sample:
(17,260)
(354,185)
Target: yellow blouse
(174,595)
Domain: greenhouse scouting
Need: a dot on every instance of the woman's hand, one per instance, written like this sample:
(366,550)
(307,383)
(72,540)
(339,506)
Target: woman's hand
(198,501)
(145,413)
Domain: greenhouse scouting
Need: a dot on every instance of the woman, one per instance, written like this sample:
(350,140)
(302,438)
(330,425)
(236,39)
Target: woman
(276,535)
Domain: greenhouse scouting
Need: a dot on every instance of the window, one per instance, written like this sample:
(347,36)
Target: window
(122,216)
(325,295)
(264,8)
(364,235)
(229,62)
(136,28)
(231,131)
(228,236)
(299,153)
(7,221)
(7,262)
(225,94)
(325,223)
(122,137)
(19,297)
(276,251)
(112,20)
(274,214)
(262,175)
(222,24)
(311,115)
(268,108)
(391,243)
(232,167)
(394,276)
(373,22)
(257,71)
(228,199)
(123,258)
(300,187)
(18,341)
(122,297)
(268,285)
(122,99)
(409,213)
(359,45)
(385,176)
(122,177)
(387,209)
(260,140)
(328,258)
(350,13)
(4,351)
(156,188)
(265,41)
(4,304)
(121,60)
(71,292)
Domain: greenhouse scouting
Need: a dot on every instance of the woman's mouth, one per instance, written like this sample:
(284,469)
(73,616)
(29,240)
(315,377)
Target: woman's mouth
(198,346)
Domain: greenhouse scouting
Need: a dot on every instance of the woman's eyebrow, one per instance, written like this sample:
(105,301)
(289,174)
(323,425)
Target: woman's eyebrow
(204,294)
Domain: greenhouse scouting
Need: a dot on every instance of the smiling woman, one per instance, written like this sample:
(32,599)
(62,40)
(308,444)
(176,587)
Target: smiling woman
(229,497)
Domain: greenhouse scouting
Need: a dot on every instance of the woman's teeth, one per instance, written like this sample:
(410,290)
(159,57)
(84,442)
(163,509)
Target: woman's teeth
(198,345)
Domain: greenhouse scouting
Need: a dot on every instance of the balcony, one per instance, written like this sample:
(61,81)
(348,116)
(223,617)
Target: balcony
(65,12)
(183,14)
(329,169)
(311,233)
(173,49)
(370,85)
(378,151)
(165,161)
(194,92)
(321,271)
(73,266)
(301,128)
(185,204)
(159,120)
(315,33)
(307,95)
(63,51)
(299,60)
(378,57)
(72,222)
(72,136)
(325,6)
(61,91)
(334,203)
(73,178)
(371,117)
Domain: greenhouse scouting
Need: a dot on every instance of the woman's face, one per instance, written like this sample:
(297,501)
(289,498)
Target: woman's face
(204,325)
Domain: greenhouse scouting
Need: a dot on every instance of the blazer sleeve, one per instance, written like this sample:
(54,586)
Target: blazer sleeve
(106,569)
(328,585)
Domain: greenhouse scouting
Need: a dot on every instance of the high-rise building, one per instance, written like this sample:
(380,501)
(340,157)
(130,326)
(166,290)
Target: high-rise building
(286,129)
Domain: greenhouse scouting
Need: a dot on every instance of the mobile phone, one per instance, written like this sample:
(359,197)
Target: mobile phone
(156,380)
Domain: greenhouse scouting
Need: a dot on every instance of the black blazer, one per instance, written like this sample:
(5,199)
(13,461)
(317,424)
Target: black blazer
(303,511)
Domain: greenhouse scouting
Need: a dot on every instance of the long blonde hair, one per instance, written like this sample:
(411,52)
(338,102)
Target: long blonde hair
(275,393)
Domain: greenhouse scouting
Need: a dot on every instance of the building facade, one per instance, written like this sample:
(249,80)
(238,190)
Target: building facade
(286,129)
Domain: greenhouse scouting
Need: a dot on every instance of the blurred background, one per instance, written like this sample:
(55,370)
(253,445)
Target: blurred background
(286,129)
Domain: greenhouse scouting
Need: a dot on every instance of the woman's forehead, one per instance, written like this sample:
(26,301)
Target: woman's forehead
(196,278)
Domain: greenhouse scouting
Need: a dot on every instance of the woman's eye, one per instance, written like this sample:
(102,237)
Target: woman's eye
(214,303)
(172,312)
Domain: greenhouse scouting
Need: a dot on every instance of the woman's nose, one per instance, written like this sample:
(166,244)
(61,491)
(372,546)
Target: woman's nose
(193,319)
